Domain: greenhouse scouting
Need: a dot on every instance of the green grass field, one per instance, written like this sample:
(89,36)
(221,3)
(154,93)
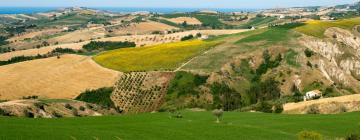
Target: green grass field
(290,57)
(159,57)
(317,28)
(258,22)
(194,125)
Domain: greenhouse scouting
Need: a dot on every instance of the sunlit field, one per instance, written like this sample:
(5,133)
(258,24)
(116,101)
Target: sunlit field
(317,28)
(159,57)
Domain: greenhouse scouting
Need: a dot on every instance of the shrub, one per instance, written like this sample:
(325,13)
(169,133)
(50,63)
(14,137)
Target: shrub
(68,106)
(99,96)
(187,37)
(56,115)
(89,106)
(309,64)
(313,109)
(264,106)
(309,135)
(176,114)
(278,108)
(353,137)
(185,83)
(30,97)
(3,40)
(40,105)
(28,113)
(75,112)
(218,113)
(82,108)
(308,52)
(4,112)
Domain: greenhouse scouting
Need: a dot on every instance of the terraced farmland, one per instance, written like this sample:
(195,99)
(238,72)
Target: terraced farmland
(159,57)
(140,91)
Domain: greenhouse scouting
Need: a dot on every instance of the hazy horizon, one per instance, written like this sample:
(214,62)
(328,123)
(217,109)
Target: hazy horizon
(229,4)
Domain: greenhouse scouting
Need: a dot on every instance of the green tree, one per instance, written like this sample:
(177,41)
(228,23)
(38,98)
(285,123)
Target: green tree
(297,95)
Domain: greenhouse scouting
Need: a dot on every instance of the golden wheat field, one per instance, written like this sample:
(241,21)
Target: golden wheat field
(56,78)
(317,28)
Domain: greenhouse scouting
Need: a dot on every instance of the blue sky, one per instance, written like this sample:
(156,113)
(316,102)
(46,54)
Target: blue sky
(172,3)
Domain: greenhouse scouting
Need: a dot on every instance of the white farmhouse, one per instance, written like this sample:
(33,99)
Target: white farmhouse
(312,94)
(204,37)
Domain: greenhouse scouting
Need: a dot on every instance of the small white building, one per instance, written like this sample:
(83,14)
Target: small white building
(65,28)
(312,94)
(204,37)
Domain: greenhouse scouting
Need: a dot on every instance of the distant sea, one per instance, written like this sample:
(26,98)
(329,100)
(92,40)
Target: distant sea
(32,10)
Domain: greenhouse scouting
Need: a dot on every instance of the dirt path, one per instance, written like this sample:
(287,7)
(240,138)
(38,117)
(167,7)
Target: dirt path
(184,64)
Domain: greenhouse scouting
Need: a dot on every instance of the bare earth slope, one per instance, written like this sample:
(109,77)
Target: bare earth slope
(189,20)
(326,105)
(53,78)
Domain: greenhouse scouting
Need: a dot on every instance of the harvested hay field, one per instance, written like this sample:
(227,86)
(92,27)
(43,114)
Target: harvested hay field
(56,78)
(141,28)
(326,105)
(159,57)
(189,20)
(80,35)
(43,50)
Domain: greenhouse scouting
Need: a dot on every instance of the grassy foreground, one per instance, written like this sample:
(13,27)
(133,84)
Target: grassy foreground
(194,125)
(317,28)
(159,57)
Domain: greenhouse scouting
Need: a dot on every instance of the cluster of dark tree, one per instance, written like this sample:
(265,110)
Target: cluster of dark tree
(6,49)
(43,44)
(99,21)
(30,97)
(108,45)
(99,96)
(13,30)
(3,40)
(225,97)
(188,37)
(64,50)
(185,83)
(308,52)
